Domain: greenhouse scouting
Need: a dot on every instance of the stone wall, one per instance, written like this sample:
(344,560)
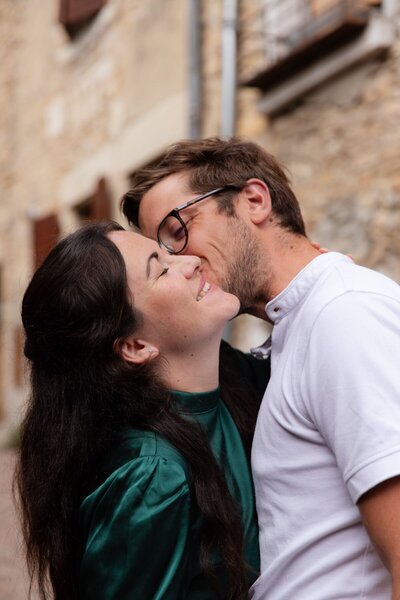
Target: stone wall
(342,147)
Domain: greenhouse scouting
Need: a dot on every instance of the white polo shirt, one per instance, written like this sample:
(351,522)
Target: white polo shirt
(328,431)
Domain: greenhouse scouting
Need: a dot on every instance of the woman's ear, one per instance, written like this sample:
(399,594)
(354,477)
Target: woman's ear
(135,351)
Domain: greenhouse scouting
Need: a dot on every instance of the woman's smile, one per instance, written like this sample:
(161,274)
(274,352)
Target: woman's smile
(204,288)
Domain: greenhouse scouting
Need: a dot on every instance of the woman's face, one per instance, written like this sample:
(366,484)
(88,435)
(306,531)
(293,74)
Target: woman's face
(180,308)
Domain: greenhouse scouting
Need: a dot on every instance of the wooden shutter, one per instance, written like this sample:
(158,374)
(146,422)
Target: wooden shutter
(45,234)
(72,12)
(100,205)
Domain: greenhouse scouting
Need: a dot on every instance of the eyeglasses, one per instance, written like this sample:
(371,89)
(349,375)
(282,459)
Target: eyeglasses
(172,233)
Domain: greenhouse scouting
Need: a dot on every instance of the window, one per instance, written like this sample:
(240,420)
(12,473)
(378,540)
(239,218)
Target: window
(76,15)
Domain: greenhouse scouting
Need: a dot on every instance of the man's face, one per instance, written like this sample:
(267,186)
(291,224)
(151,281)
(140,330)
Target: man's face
(228,251)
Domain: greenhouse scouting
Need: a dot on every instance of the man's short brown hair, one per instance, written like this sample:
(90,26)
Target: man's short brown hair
(212,163)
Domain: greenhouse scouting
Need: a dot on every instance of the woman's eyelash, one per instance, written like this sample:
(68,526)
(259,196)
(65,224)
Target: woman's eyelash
(164,271)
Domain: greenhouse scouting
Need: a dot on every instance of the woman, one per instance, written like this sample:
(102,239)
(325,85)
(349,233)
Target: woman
(133,476)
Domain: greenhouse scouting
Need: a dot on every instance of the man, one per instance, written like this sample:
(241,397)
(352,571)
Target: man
(326,452)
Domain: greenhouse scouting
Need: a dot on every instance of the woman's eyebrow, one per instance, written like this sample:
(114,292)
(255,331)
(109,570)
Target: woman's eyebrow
(153,255)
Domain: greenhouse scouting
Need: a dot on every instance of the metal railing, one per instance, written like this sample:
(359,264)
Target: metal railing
(273,29)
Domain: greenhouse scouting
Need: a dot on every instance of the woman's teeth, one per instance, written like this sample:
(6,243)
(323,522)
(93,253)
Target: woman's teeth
(203,291)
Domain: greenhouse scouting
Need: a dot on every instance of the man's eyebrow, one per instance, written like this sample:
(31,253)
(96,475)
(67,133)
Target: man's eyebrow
(153,255)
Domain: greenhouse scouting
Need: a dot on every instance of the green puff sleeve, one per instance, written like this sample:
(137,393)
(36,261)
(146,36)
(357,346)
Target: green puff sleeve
(138,533)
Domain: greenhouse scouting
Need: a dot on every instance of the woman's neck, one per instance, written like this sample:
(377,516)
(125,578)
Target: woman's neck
(195,370)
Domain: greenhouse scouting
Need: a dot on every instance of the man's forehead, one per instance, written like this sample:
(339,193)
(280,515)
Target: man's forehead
(160,199)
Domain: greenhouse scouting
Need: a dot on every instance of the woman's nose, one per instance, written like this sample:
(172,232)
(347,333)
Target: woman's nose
(190,265)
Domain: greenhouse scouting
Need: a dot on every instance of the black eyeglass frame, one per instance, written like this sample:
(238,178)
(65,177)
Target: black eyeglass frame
(175,213)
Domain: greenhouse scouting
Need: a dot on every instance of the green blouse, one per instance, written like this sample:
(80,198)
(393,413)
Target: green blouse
(140,524)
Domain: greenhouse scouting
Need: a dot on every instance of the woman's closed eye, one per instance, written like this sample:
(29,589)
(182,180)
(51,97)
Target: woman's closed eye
(163,272)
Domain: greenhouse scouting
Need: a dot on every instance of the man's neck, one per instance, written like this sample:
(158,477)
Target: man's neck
(286,254)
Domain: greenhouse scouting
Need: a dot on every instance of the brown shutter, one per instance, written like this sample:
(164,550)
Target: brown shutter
(100,206)
(45,234)
(72,12)
(63,12)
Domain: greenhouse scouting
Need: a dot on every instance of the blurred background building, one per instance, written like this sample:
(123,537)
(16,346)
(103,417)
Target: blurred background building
(91,90)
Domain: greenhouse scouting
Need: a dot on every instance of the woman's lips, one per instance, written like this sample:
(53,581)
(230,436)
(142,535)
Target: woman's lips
(204,288)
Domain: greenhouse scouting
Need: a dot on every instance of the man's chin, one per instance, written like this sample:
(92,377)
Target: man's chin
(243,310)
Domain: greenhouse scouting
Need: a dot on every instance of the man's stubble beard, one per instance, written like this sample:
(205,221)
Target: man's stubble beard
(248,273)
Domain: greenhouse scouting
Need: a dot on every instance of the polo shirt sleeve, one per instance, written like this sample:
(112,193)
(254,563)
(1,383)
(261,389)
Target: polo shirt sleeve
(138,529)
(351,386)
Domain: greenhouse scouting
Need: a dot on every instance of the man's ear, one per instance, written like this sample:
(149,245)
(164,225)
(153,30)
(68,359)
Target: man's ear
(135,351)
(257,201)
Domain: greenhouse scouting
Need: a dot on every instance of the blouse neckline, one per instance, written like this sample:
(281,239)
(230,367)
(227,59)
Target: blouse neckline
(198,401)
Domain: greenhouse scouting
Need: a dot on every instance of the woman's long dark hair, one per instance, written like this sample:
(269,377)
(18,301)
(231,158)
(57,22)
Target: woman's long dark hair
(82,393)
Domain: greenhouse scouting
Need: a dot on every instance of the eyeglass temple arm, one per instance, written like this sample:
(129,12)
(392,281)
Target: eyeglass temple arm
(190,202)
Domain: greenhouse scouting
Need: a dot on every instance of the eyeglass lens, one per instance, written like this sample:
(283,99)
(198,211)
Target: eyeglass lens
(172,234)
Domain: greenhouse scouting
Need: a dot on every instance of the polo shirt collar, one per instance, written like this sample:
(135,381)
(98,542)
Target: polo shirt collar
(300,286)
(280,306)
